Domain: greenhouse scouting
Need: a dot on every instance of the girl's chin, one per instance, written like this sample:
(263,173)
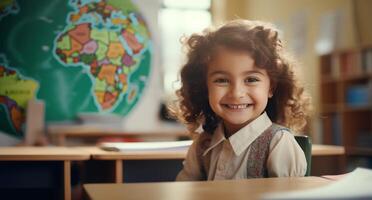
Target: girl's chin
(237,123)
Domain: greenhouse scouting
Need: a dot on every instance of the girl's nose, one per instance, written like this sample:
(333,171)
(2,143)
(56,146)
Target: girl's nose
(237,91)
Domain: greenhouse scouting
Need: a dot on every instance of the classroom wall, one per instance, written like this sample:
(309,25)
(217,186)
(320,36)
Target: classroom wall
(363,15)
(223,10)
(301,23)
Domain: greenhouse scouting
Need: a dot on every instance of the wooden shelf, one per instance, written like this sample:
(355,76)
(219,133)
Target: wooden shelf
(332,79)
(356,77)
(331,108)
(329,79)
(344,75)
(357,108)
(358,151)
(338,108)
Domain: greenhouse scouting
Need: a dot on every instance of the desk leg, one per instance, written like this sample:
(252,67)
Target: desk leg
(67,179)
(118,171)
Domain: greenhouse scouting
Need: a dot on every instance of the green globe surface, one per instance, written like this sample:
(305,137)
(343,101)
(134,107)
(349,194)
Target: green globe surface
(87,56)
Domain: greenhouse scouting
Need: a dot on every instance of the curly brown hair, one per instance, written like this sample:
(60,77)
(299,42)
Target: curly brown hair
(289,105)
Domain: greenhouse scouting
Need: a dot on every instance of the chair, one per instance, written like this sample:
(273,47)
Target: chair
(305,144)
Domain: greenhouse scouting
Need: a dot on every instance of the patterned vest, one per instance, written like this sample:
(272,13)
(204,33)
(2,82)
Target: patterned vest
(257,157)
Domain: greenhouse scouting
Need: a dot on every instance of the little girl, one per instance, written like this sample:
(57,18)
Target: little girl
(238,84)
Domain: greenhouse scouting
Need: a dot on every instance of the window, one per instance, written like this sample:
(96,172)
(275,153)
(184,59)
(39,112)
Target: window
(177,19)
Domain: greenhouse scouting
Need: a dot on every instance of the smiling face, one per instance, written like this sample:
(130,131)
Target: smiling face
(238,91)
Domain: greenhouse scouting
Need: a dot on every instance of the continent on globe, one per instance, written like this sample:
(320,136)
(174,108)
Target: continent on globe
(8,7)
(109,38)
(15,91)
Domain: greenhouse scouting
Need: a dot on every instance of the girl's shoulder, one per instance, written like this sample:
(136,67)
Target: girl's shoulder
(280,133)
(277,128)
(202,142)
(203,139)
(283,135)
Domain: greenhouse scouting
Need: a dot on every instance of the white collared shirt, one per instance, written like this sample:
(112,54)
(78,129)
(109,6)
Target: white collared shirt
(229,157)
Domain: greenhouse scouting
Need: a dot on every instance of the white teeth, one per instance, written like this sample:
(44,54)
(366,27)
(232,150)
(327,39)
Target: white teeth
(237,106)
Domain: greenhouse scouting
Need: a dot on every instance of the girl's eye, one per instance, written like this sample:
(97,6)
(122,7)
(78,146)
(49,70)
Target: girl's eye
(221,80)
(251,80)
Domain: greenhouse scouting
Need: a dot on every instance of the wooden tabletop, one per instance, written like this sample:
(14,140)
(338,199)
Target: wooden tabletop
(85,153)
(207,190)
(99,154)
(42,153)
(327,150)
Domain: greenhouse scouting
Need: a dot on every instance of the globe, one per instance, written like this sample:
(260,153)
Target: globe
(78,56)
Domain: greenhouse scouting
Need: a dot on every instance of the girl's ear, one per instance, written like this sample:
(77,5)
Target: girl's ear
(271,92)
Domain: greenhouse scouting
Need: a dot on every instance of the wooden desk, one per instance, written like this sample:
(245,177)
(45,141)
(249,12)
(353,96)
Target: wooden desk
(207,190)
(120,158)
(327,150)
(22,156)
(42,158)
(173,159)
(60,133)
(328,160)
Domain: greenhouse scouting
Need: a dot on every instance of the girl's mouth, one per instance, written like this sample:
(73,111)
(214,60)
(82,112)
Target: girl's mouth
(236,106)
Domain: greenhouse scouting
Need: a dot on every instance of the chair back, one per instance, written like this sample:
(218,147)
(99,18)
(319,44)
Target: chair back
(305,144)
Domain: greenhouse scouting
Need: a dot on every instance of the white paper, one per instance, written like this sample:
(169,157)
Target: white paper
(142,146)
(355,185)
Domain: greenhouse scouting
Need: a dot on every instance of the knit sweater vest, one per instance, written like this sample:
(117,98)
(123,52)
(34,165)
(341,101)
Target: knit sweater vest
(257,157)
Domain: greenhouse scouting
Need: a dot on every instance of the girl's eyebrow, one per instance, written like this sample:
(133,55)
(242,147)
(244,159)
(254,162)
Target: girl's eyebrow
(253,72)
(217,72)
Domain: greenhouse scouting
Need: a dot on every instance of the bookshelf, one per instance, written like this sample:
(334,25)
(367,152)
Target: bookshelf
(346,100)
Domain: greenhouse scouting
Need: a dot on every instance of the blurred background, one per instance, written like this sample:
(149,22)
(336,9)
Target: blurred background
(330,39)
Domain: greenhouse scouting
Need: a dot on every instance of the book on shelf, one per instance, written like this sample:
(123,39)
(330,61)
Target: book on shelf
(359,95)
(331,127)
(336,129)
(367,61)
(349,63)
(335,66)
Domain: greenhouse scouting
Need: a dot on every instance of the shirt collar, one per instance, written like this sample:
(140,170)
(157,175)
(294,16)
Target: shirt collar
(217,137)
(244,137)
